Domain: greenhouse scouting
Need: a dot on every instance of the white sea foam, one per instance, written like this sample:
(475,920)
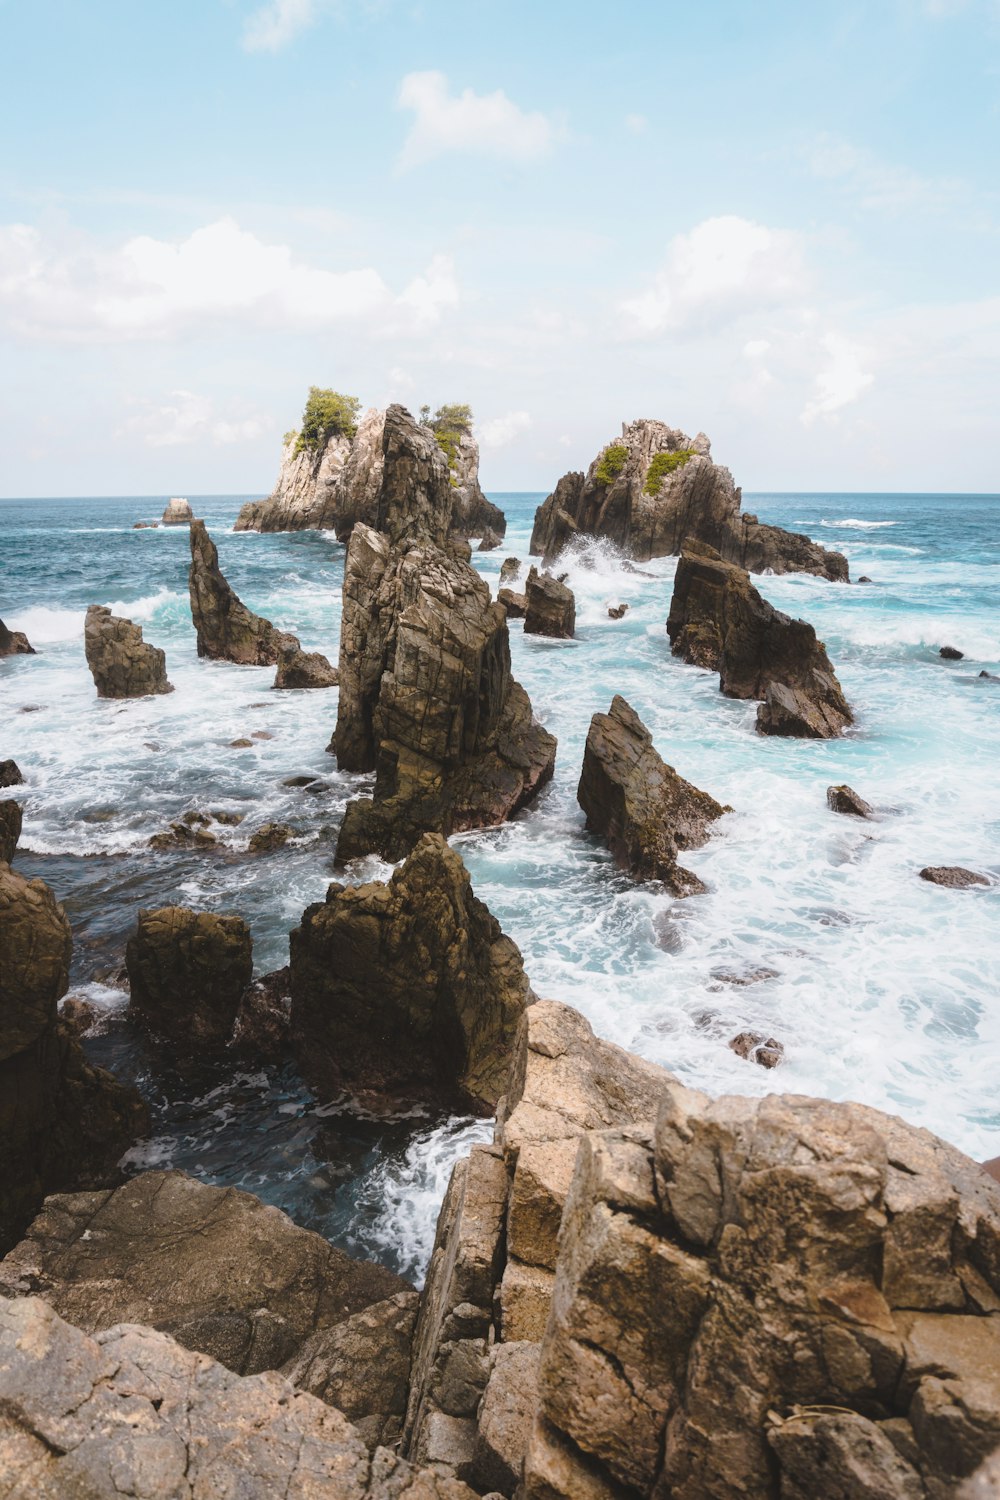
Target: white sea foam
(44,625)
(851,523)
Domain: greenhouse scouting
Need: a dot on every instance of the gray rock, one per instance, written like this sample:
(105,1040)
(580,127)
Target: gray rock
(844,799)
(177,513)
(121,663)
(225,628)
(551,607)
(953,876)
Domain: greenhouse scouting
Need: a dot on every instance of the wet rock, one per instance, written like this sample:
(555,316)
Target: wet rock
(10,773)
(489,541)
(187,972)
(509,569)
(177,513)
(304,669)
(228,819)
(844,799)
(77,1015)
(299,781)
(758,1048)
(261,1030)
(270,836)
(14,642)
(121,663)
(742,978)
(864,578)
(226,629)
(407,987)
(184,835)
(992,677)
(644,810)
(617,611)
(950,654)
(719,621)
(953,876)
(10,828)
(654,488)
(241,744)
(515,605)
(551,607)
(145,525)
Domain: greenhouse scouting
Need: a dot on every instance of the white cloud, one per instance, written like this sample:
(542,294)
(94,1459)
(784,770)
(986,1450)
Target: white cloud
(274,25)
(500,432)
(840,381)
(637,124)
(479,124)
(188,418)
(876,183)
(428,295)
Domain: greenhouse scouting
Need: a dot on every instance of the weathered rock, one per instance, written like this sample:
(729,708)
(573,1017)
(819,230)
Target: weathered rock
(617,611)
(304,669)
(758,1048)
(844,799)
(226,629)
(10,828)
(131,1412)
(77,1014)
(509,569)
(261,1030)
(10,773)
(408,986)
(427,699)
(953,876)
(950,654)
(185,835)
(551,607)
(177,513)
(187,971)
(270,836)
(719,621)
(644,810)
(14,642)
(304,493)
(121,663)
(654,488)
(505,1417)
(515,605)
(489,540)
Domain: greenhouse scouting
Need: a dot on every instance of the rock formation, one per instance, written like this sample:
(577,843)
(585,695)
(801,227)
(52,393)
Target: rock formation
(953,876)
(844,799)
(515,605)
(636,802)
(10,828)
(14,642)
(509,569)
(121,663)
(62,1123)
(489,541)
(304,669)
(187,972)
(10,773)
(177,513)
(550,606)
(226,629)
(427,699)
(754,1046)
(652,489)
(719,621)
(949,653)
(407,987)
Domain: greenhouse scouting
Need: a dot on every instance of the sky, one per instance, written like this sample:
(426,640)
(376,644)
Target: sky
(778,224)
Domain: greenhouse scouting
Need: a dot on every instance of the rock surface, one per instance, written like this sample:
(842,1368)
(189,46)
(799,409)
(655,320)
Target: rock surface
(844,799)
(719,621)
(515,605)
(14,642)
(187,972)
(655,487)
(953,876)
(950,654)
(489,540)
(10,773)
(758,1048)
(636,802)
(407,987)
(304,669)
(10,828)
(226,629)
(121,663)
(177,513)
(550,607)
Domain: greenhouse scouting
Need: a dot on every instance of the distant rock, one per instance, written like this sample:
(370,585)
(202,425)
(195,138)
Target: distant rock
(990,676)
(14,642)
(10,773)
(617,611)
(844,799)
(515,605)
(177,513)
(304,669)
(145,525)
(551,607)
(10,828)
(270,836)
(646,813)
(950,654)
(226,629)
(953,876)
(864,578)
(509,569)
(489,541)
(758,1048)
(187,973)
(121,663)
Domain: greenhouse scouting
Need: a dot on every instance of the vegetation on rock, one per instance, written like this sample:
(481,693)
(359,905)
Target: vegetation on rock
(326,412)
(611,463)
(664,464)
(449,424)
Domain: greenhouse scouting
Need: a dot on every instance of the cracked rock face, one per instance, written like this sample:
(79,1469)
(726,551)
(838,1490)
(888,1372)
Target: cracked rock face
(226,629)
(187,973)
(121,663)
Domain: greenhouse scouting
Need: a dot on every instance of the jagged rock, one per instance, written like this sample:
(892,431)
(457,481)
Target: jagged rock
(515,605)
(14,642)
(509,569)
(226,629)
(505,1417)
(187,971)
(10,773)
(304,669)
(844,799)
(654,488)
(953,876)
(617,611)
(719,621)
(646,812)
(489,541)
(551,607)
(131,1412)
(741,978)
(177,513)
(121,663)
(270,836)
(304,493)
(758,1048)
(472,514)
(427,699)
(10,828)
(407,986)
(62,1123)
(950,654)
(261,1030)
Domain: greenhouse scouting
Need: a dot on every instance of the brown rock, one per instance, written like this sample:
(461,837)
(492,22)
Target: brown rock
(617,611)
(10,774)
(505,1417)
(551,607)
(10,828)
(490,540)
(844,799)
(177,513)
(187,972)
(14,642)
(515,605)
(77,1015)
(984,1484)
(226,629)
(758,1048)
(509,569)
(121,663)
(304,669)
(270,836)
(262,1022)
(953,876)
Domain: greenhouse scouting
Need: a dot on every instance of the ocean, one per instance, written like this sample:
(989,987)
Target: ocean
(882,988)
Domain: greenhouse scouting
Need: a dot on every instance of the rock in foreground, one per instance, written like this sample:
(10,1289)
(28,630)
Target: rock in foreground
(121,663)
(551,607)
(14,642)
(187,972)
(646,812)
(226,629)
(407,988)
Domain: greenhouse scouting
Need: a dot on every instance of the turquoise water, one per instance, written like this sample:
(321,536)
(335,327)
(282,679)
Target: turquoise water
(885,988)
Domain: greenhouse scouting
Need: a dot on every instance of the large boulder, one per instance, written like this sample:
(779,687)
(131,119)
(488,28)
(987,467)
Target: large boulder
(177,512)
(646,812)
(719,621)
(304,669)
(226,629)
(550,606)
(10,828)
(427,699)
(14,642)
(121,663)
(407,987)
(187,973)
(652,489)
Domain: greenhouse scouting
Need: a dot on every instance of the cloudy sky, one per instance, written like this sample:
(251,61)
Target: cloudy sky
(776,223)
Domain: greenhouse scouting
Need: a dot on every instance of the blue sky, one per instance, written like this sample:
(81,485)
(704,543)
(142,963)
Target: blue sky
(775,223)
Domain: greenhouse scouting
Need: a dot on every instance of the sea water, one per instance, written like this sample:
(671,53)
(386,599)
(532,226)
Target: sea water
(881,987)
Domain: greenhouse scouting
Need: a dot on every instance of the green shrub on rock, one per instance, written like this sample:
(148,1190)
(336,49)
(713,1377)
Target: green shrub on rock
(611,463)
(449,424)
(327,412)
(664,464)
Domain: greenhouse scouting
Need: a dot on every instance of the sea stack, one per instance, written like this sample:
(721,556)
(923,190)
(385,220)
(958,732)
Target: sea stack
(121,663)
(226,629)
(177,513)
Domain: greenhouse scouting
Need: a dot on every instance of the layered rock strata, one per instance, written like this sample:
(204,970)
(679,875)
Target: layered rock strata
(550,608)
(427,699)
(121,663)
(407,988)
(14,642)
(187,973)
(655,487)
(226,629)
(720,622)
(639,805)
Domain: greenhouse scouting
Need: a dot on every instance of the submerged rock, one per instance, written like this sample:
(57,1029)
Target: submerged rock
(950,654)
(121,663)
(304,669)
(14,642)
(10,828)
(844,799)
(646,812)
(187,972)
(551,607)
(758,1048)
(719,621)
(270,836)
(407,987)
(226,629)
(953,876)
(177,513)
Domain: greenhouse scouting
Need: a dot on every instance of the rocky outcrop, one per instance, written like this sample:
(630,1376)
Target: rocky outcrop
(638,804)
(427,699)
(550,606)
(949,653)
(226,629)
(655,487)
(489,541)
(953,876)
(844,799)
(10,773)
(121,663)
(472,514)
(407,988)
(187,972)
(509,569)
(177,513)
(303,495)
(62,1123)
(515,605)
(304,669)
(719,621)
(14,642)
(10,828)
(131,1412)
(754,1046)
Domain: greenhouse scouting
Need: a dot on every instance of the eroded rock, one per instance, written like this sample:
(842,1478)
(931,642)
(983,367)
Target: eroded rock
(14,642)
(121,663)
(226,629)
(187,973)
(10,773)
(270,836)
(515,605)
(551,607)
(844,799)
(304,669)
(177,512)
(953,876)
(754,1046)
